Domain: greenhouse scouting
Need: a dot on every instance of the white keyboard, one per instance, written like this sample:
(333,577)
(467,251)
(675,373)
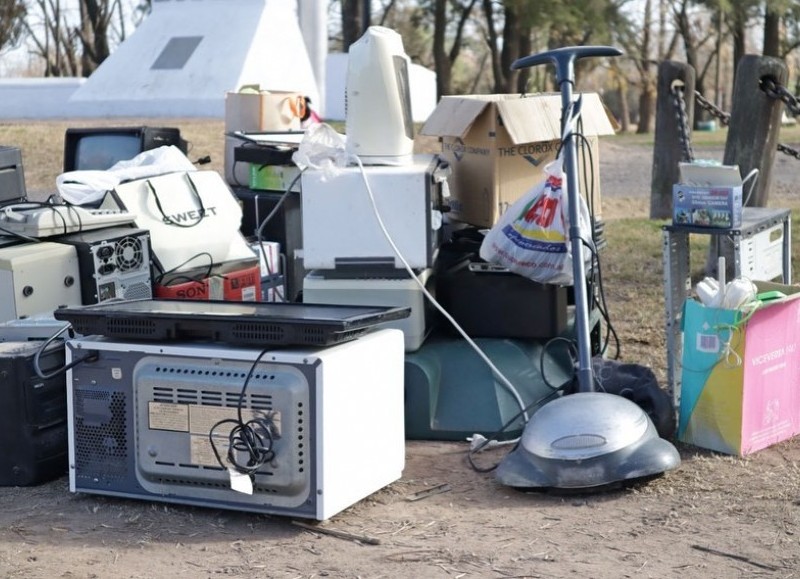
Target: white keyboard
(59,219)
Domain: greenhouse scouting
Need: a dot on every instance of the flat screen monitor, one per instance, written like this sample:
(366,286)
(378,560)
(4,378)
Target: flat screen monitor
(98,148)
(241,323)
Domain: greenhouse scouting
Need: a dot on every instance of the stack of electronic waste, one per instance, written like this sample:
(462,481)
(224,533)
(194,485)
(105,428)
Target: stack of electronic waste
(54,255)
(198,251)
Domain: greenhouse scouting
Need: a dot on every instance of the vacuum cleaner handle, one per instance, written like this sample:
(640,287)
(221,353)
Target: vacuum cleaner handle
(563,58)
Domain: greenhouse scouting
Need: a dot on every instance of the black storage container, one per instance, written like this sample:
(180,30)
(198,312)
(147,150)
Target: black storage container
(33,415)
(497,304)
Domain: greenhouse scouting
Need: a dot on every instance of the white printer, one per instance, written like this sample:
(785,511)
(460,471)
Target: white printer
(341,230)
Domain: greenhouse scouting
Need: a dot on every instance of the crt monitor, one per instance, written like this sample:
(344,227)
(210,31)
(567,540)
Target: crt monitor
(100,147)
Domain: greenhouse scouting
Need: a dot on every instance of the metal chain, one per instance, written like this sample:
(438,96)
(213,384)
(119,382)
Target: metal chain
(773,90)
(781,93)
(787,150)
(712,109)
(683,120)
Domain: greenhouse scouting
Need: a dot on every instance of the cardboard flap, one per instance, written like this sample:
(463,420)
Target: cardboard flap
(453,116)
(538,117)
(532,119)
(710,174)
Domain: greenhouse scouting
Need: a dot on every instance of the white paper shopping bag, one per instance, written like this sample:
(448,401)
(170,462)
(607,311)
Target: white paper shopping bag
(193,218)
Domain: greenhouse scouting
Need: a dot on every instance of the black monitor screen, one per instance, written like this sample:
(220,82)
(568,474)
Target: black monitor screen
(99,148)
(101,151)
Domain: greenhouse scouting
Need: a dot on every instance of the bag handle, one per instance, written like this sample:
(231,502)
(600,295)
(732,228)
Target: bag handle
(166,218)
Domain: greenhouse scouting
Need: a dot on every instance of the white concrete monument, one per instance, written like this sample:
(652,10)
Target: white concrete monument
(188,53)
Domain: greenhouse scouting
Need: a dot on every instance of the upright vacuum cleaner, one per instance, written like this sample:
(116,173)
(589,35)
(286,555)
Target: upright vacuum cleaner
(588,439)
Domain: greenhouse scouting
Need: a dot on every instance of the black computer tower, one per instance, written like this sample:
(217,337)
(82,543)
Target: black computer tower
(285,227)
(114,263)
(33,414)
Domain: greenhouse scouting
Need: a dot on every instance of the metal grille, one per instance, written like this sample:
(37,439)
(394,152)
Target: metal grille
(138,291)
(258,332)
(101,446)
(218,398)
(129,328)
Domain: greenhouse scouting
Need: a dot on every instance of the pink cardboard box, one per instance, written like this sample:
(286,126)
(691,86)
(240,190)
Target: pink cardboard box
(740,388)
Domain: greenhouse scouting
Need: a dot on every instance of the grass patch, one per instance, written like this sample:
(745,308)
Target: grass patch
(789,134)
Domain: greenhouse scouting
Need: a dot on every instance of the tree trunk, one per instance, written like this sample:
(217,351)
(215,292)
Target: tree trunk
(772,32)
(440,59)
(491,41)
(351,23)
(752,140)
(525,48)
(645,109)
(738,31)
(510,52)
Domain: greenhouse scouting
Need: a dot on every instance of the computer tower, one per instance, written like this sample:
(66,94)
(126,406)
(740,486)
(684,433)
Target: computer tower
(33,415)
(285,227)
(37,278)
(12,176)
(114,263)
(140,416)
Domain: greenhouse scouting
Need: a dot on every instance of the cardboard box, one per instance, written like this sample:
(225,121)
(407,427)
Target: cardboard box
(233,281)
(498,145)
(740,388)
(252,109)
(256,110)
(708,196)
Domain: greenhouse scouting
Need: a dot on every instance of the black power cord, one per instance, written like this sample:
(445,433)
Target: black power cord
(254,438)
(37,362)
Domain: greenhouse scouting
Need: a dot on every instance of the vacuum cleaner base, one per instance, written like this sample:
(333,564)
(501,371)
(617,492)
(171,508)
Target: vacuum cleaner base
(587,440)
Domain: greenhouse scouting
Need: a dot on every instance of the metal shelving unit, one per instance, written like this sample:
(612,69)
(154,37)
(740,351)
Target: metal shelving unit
(756,222)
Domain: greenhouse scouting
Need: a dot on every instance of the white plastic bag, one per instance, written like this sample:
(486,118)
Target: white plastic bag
(89,186)
(532,237)
(323,149)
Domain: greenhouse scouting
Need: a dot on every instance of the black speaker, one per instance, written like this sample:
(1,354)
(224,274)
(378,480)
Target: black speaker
(33,415)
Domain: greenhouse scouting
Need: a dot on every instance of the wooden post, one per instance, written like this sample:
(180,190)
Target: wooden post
(752,141)
(667,149)
(755,123)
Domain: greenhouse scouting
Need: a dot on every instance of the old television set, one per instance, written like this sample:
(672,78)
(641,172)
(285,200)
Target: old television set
(98,148)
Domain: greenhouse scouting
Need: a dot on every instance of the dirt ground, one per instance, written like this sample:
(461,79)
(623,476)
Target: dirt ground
(714,517)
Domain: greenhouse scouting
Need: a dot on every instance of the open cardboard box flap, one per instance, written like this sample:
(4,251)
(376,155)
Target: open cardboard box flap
(527,119)
(791,291)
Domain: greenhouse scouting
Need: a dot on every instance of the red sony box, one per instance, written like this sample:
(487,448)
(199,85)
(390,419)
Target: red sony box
(238,281)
